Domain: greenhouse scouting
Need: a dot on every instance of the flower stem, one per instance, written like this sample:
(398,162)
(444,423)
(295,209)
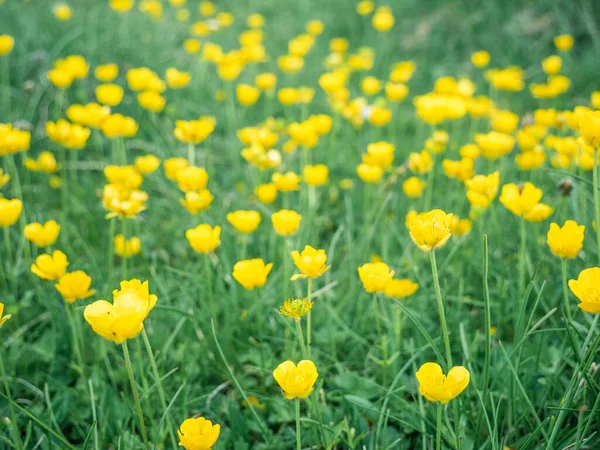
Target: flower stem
(566,289)
(13,418)
(308,318)
(440,304)
(136,397)
(76,346)
(522,256)
(438,432)
(124,258)
(298,437)
(191,154)
(301,339)
(161,392)
(597,200)
(111,250)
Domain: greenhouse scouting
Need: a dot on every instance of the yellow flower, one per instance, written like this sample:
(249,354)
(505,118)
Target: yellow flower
(470,151)
(173,166)
(146,164)
(192,178)
(176,79)
(251,273)
(10,211)
(91,115)
(69,135)
(296,381)
(3,317)
(247,95)
(520,200)
(430,230)
(586,289)
(255,20)
(75,286)
(552,64)
(365,7)
(589,127)
(383,19)
(266,81)
(106,73)
(194,131)
(437,387)
(7,42)
(198,434)
(152,101)
(493,145)
(287,96)
(413,187)
(316,175)
(566,241)
(504,121)
(564,42)
(4,178)
(141,290)
(369,173)
(375,276)
(266,193)
(195,202)
(509,79)
(482,189)
(50,267)
(286,222)
(42,235)
(400,288)
(480,58)
(461,170)
(62,12)
(296,308)
(286,182)
(119,126)
(379,154)
(192,46)
(109,94)
(290,63)
(396,92)
(315,27)
(126,248)
(121,5)
(123,319)
(204,238)
(539,212)
(460,227)
(311,262)
(244,221)
(420,162)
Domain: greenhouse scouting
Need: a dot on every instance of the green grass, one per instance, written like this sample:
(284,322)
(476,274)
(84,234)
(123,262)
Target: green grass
(534,358)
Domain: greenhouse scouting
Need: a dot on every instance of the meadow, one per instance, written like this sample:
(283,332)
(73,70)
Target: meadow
(299,225)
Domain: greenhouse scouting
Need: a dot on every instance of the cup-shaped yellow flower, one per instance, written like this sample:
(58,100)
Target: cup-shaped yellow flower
(204,238)
(316,175)
(50,267)
(123,319)
(286,182)
(539,212)
(566,241)
(75,286)
(251,273)
(244,221)
(437,387)
(400,288)
(430,230)
(311,262)
(198,434)
(42,235)
(106,73)
(520,200)
(10,211)
(375,276)
(296,381)
(192,178)
(109,94)
(126,248)
(286,222)
(195,202)
(413,187)
(482,189)
(247,95)
(266,193)
(3,318)
(7,42)
(142,290)
(586,289)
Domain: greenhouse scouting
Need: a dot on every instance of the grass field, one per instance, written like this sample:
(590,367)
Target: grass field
(383,124)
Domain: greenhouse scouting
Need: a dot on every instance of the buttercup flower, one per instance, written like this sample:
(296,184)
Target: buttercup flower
(198,434)
(482,189)
(7,42)
(437,387)
(316,175)
(413,187)
(286,222)
(123,319)
(3,317)
(266,193)
(586,290)
(480,58)
(106,73)
(400,288)
(75,286)
(42,235)
(286,182)
(195,202)
(369,173)
(296,308)
(311,262)
(430,230)
(375,277)
(142,290)
(50,267)
(192,178)
(251,273)
(204,238)
(10,211)
(173,166)
(564,42)
(566,241)
(146,164)
(126,248)
(520,199)
(244,221)
(109,94)
(296,381)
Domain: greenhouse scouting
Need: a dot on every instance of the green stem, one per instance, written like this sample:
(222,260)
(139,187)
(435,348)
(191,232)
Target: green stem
(209,282)
(308,318)
(76,344)
(64,188)
(440,304)
(191,154)
(111,250)
(301,339)
(161,392)
(7,88)
(566,289)
(124,258)
(13,417)
(298,437)
(136,397)
(438,431)
(522,256)
(94,415)
(488,320)
(597,200)
(7,243)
